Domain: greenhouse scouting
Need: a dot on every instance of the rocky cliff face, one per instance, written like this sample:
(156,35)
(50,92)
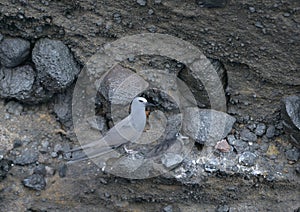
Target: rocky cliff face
(254,44)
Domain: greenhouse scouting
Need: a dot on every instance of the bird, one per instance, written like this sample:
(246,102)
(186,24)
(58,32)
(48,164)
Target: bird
(127,130)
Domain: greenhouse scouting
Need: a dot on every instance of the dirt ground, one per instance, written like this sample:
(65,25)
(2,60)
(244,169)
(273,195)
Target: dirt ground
(258,43)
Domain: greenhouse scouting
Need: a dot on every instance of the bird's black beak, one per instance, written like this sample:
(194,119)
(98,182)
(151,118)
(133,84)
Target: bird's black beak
(150,104)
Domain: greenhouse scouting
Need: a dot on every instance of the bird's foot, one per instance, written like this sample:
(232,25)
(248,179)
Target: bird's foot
(129,151)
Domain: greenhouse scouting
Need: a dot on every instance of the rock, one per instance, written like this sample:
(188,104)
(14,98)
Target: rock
(40,169)
(260,129)
(272,151)
(246,135)
(119,86)
(170,160)
(14,51)
(44,146)
(211,166)
(117,17)
(63,107)
(55,65)
(54,154)
(252,9)
(5,166)
(17,82)
(247,159)
(290,112)
(50,171)
(18,143)
(62,170)
(196,86)
(26,157)
(141,2)
(223,208)
(270,131)
(293,154)
(13,107)
(212,3)
(58,148)
(112,88)
(35,181)
(168,208)
(205,125)
(258,24)
(223,146)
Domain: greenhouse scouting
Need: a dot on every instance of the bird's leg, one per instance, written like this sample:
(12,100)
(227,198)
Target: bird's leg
(147,127)
(129,151)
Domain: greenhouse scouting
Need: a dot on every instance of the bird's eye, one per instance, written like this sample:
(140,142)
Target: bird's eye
(141,100)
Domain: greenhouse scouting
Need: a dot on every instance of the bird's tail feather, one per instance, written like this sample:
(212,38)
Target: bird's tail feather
(99,153)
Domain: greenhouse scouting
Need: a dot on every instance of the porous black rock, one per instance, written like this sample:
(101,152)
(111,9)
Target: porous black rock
(16,82)
(55,65)
(19,83)
(14,51)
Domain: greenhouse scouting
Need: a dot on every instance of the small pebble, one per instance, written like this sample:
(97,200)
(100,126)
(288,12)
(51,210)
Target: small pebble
(252,9)
(141,2)
(40,169)
(259,25)
(260,129)
(270,132)
(247,159)
(62,170)
(168,208)
(35,181)
(150,12)
(292,154)
(223,146)
(50,171)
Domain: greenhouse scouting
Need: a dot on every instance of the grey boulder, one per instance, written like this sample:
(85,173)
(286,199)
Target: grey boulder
(206,125)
